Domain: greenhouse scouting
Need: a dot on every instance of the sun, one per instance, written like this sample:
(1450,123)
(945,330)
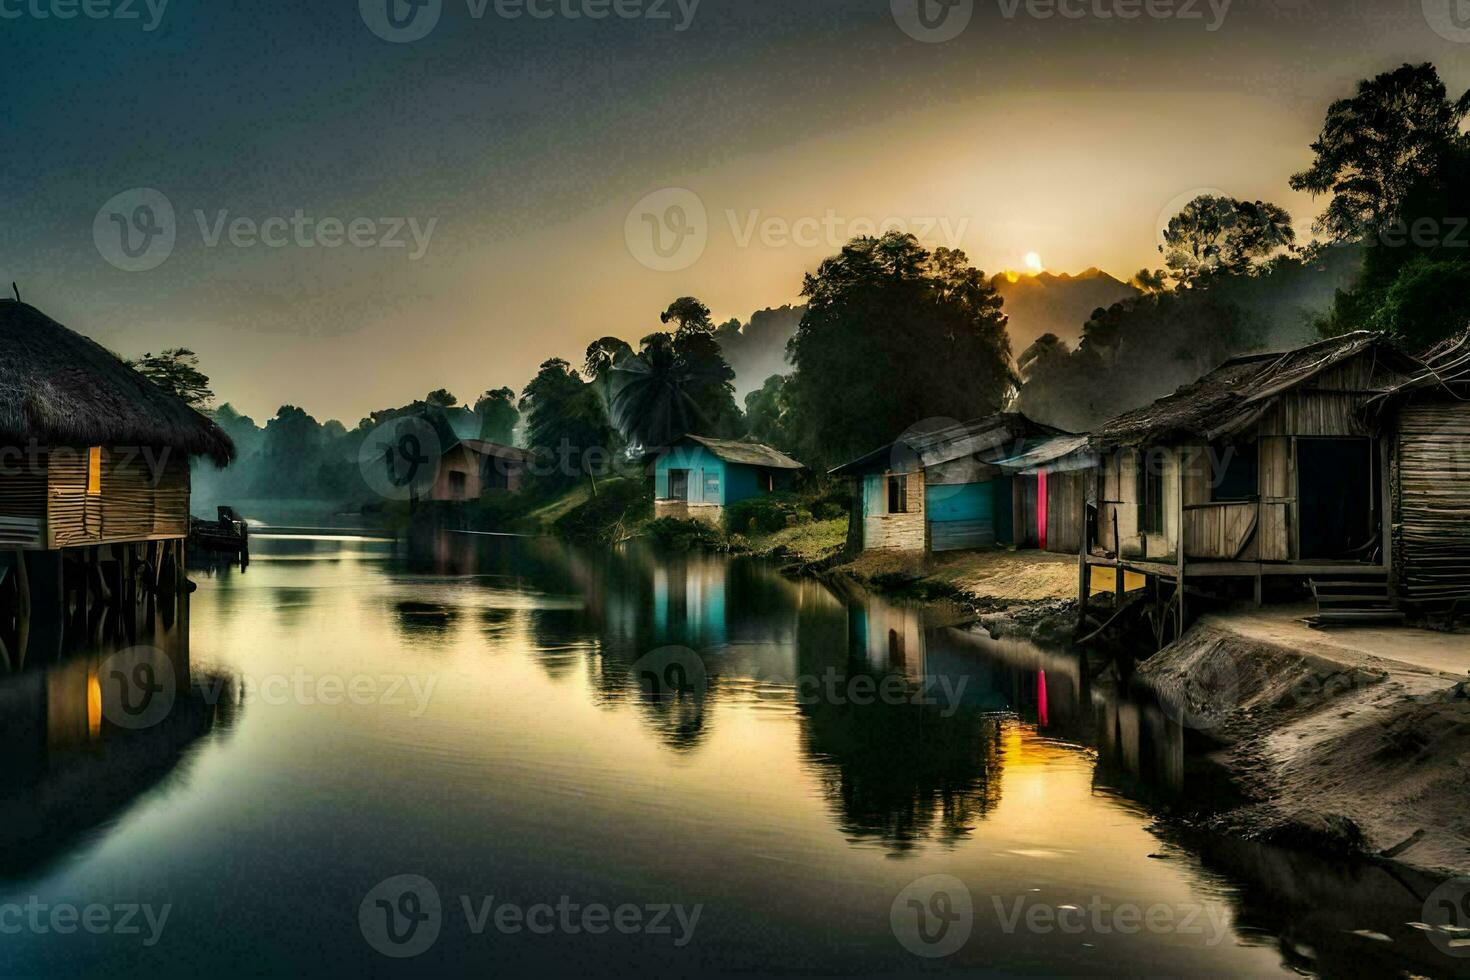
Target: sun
(1033,263)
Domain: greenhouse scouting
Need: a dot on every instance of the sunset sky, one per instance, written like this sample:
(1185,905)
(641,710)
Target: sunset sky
(517,147)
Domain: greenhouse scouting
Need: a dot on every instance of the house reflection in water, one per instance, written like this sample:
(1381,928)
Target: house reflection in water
(80,746)
(689,601)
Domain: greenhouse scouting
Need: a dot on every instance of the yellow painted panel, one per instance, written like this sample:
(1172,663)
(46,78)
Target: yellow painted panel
(1104,580)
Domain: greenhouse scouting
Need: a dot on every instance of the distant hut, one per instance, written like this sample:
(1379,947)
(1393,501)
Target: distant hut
(472,468)
(468,467)
(1002,479)
(698,477)
(94,468)
(1425,422)
(1263,468)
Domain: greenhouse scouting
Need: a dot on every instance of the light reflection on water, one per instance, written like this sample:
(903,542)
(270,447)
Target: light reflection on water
(504,740)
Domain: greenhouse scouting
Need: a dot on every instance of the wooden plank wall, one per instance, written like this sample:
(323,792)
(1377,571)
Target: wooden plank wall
(1065,493)
(1120,498)
(901,532)
(129,508)
(22,498)
(1432,490)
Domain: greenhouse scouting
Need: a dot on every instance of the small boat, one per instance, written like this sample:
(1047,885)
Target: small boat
(229,534)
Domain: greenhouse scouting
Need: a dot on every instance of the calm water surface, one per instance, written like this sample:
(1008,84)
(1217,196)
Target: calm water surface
(515,721)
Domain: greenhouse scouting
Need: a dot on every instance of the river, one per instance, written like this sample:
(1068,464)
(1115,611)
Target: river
(485,755)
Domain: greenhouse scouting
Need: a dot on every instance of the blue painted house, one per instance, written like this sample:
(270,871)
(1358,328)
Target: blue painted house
(697,477)
(995,480)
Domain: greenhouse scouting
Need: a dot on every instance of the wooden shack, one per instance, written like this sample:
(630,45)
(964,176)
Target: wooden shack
(94,473)
(1425,423)
(1263,467)
(471,468)
(965,485)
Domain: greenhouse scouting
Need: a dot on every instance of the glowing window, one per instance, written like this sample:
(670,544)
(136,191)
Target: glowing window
(94,471)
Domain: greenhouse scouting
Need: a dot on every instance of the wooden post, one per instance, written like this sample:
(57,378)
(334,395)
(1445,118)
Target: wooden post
(1179,534)
(1386,511)
(1084,583)
(22,609)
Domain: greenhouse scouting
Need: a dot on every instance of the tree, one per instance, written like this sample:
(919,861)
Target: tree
(1429,301)
(177,372)
(1215,234)
(677,383)
(1374,146)
(602,354)
(440,398)
(893,335)
(1043,351)
(498,415)
(1150,280)
(566,421)
(767,412)
(690,315)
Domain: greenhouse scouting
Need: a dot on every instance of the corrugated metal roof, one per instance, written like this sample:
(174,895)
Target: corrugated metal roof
(747,453)
(942,445)
(1052,454)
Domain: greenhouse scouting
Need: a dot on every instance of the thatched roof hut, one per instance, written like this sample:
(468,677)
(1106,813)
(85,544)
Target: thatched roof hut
(1235,396)
(59,388)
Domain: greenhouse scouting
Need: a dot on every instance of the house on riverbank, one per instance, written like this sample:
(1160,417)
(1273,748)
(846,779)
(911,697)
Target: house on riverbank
(1264,468)
(1425,423)
(94,474)
(1003,479)
(471,468)
(698,477)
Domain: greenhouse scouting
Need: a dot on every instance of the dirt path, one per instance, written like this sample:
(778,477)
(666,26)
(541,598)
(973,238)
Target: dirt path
(987,575)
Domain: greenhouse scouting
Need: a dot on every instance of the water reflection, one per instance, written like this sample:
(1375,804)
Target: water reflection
(82,740)
(640,727)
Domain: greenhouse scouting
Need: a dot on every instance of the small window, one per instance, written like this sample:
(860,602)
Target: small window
(1237,473)
(457,484)
(1151,492)
(678,484)
(898,495)
(711,486)
(94,471)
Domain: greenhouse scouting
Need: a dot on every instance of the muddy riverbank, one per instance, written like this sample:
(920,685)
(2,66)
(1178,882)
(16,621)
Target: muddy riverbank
(1335,748)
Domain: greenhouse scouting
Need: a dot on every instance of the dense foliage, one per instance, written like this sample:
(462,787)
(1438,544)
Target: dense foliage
(893,335)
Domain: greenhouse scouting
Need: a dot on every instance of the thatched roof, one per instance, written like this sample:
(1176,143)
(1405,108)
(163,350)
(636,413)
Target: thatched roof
(62,389)
(1237,392)
(747,453)
(934,446)
(1445,371)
